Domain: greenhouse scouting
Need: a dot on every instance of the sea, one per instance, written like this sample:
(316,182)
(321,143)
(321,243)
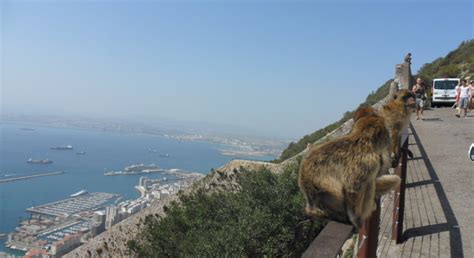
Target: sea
(104,151)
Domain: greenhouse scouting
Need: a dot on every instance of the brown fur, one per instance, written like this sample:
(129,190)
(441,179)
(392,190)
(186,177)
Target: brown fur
(397,118)
(340,178)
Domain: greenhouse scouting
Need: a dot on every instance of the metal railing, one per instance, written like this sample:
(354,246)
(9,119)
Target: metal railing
(331,239)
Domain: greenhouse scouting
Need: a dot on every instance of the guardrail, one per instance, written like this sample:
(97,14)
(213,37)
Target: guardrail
(331,239)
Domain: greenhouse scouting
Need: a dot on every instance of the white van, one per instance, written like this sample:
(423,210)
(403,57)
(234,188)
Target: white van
(444,91)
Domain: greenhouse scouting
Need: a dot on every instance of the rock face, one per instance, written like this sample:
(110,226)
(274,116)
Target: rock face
(113,242)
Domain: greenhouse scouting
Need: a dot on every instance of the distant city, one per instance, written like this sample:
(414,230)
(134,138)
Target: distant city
(237,146)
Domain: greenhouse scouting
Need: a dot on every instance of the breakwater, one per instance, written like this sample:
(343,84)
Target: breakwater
(30,176)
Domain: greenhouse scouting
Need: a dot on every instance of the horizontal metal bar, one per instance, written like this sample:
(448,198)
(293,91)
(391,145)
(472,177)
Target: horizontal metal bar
(329,241)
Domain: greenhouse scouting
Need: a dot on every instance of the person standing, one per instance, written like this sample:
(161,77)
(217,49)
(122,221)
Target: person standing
(420,93)
(471,101)
(456,100)
(464,97)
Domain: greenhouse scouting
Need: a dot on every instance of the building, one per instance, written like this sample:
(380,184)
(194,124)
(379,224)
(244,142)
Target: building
(37,253)
(65,245)
(143,182)
(112,216)
(98,223)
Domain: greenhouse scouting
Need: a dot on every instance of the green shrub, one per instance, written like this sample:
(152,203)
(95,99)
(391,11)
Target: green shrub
(264,218)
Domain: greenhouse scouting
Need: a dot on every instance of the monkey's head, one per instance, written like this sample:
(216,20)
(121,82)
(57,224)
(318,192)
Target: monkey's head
(406,97)
(364,111)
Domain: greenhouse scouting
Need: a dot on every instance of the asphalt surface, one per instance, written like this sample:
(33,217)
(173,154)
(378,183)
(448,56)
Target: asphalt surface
(446,139)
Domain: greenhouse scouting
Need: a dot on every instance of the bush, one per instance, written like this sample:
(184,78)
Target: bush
(264,218)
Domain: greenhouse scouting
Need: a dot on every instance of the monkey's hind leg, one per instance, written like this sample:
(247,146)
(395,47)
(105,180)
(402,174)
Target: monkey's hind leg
(386,183)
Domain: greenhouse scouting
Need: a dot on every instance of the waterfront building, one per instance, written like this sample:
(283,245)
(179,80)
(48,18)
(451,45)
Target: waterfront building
(143,182)
(112,216)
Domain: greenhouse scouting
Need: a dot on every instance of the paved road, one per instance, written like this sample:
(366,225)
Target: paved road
(446,139)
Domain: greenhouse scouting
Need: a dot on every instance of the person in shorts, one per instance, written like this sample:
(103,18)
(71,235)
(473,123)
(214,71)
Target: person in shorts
(420,93)
(465,95)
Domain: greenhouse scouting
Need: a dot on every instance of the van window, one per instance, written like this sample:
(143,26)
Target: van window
(445,85)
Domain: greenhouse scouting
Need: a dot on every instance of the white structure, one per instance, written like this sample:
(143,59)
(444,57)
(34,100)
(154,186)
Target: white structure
(111,216)
(143,182)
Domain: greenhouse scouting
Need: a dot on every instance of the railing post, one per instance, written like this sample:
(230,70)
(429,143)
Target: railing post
(399,200)
(369,235)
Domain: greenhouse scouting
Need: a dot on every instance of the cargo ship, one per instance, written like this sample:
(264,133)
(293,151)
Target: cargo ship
(39,161)
(62,147)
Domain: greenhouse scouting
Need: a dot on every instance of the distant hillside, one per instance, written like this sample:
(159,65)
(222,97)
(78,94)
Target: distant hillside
(458,63)
(295,148)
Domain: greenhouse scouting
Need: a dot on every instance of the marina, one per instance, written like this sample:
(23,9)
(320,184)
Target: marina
(81,201)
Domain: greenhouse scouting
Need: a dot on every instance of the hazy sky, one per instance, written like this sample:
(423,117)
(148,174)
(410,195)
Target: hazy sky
(270,66)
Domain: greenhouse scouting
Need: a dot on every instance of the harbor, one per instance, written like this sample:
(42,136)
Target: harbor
(53,229)
(57,227)
(107,150)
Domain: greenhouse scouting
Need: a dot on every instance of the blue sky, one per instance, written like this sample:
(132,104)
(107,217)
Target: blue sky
(278,68)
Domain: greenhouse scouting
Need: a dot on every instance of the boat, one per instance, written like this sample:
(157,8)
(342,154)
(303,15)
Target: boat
(39,161)
(81,192)
(113,173)
(166,155)
(80,153)
(63,147)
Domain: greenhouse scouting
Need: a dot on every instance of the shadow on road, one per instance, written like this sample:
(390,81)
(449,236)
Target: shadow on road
(451,225)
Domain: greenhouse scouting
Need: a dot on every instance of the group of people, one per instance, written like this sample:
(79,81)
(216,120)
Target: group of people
(464,97)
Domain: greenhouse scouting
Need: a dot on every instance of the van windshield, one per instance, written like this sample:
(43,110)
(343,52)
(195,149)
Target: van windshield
(445,85)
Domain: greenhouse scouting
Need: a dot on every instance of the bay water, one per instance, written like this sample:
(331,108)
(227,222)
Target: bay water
(104,151)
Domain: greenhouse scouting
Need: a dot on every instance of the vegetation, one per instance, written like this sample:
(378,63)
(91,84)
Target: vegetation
(264,218)
(458,63)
